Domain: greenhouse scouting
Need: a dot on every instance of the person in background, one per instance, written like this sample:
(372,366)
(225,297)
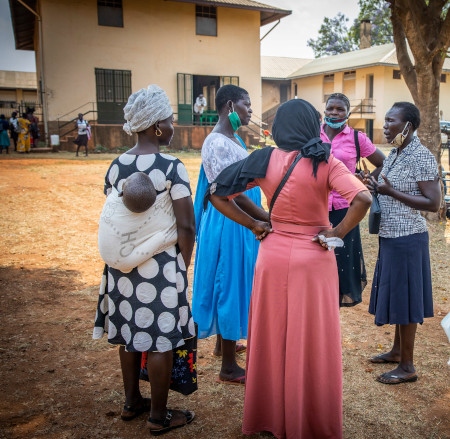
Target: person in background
(401,288)
(34,127)
(335,130)
(199,106)
(145,308)
(294,362)
(82,127)
(226,252)
(23,140)
(14,128)
(4,138)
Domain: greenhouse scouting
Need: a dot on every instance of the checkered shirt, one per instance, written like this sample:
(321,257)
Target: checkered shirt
(414,164)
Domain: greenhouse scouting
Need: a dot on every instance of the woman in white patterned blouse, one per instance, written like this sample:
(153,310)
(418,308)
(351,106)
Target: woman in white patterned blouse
(401,290)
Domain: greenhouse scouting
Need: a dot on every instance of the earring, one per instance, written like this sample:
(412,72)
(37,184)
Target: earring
(158,132)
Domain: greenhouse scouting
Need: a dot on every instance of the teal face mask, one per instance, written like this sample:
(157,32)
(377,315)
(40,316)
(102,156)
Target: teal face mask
(335,123)
(234,120)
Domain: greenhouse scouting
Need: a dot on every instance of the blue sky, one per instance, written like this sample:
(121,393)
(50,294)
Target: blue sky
(290,36)
(287,39)
(11,59)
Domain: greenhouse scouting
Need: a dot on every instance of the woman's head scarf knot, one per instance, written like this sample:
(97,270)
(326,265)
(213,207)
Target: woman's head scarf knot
(297,128)
(146,107)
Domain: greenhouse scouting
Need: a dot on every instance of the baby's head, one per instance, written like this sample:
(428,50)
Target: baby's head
(138,192)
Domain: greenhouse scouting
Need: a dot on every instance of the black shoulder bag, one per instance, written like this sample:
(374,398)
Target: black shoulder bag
(374,215)
(358,152)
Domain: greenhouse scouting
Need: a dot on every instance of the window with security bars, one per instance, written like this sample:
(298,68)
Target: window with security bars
(113,85)
(110,13)
(206,20)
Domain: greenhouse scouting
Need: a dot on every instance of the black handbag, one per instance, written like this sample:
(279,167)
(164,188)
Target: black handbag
(374,215)
(184,369)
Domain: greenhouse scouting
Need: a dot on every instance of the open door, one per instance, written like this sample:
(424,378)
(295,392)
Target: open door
(190,86)
(185,99)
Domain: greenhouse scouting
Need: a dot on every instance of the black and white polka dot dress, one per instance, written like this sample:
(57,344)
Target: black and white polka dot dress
(147,309)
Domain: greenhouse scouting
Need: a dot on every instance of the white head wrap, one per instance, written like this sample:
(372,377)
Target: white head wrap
(146,107)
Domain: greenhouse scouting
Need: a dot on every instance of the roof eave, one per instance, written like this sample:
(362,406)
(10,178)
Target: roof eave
(326,72)
(23,22)
(267,16)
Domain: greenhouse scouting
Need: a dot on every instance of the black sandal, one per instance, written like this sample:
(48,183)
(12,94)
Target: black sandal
(165,423)
(130,412)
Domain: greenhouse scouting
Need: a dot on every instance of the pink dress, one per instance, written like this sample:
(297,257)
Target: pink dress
(294,364)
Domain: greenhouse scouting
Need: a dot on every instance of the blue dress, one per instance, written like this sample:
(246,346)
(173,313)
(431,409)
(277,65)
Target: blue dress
(223,271)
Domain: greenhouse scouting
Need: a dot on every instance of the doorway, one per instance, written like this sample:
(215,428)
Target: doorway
(113,89)
(190,86)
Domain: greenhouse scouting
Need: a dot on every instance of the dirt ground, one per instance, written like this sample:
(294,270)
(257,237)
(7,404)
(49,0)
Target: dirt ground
(59,383)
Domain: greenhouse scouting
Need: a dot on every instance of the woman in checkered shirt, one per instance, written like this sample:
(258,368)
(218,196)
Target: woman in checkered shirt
(401,289)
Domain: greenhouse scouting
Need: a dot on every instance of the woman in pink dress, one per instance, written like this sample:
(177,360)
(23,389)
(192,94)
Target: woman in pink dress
(294,365)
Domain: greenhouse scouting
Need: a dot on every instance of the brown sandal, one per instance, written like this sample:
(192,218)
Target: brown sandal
(130,412)
(165,423)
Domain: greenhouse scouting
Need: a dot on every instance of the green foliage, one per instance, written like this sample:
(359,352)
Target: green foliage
(335,37)
(379,14)
(99,149)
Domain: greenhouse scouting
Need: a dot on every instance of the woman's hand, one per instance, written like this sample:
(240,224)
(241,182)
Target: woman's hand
(261,229)
(328,239)
(382,188)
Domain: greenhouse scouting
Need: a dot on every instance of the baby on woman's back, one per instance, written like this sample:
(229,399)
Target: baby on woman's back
(138,192)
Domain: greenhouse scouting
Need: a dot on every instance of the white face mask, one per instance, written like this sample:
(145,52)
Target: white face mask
(400,137)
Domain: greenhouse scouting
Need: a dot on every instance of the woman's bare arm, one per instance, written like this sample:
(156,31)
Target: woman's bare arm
(184,214)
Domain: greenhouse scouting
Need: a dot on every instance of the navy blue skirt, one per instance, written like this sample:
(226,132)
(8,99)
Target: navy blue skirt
(350,262)
(401,289)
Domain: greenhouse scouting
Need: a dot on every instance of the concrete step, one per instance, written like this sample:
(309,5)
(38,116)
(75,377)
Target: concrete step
(44,149)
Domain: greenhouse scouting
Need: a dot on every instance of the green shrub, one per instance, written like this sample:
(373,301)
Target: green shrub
(99,149)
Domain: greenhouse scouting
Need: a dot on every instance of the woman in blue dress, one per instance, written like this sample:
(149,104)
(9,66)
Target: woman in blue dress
(226,252)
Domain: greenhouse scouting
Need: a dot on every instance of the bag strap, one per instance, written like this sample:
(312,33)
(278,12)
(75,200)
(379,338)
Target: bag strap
(358,149)
(283,181)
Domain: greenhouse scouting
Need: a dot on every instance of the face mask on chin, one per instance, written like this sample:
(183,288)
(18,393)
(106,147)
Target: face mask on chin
(335,123)
(400,137)
(234,119)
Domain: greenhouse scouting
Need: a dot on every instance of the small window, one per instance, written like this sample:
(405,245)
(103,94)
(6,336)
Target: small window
(110,13)
(206,20)
(234,80)
(328,86)
(350,75)
(444,78)
(396,74)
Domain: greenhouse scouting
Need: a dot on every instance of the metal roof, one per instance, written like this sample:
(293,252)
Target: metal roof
(384,55)
(278,67)
(269,13)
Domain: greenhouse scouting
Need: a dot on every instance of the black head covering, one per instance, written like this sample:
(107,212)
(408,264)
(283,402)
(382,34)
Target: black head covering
(297,128)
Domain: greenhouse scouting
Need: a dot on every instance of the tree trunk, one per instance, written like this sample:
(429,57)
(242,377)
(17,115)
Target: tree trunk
(420,30)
